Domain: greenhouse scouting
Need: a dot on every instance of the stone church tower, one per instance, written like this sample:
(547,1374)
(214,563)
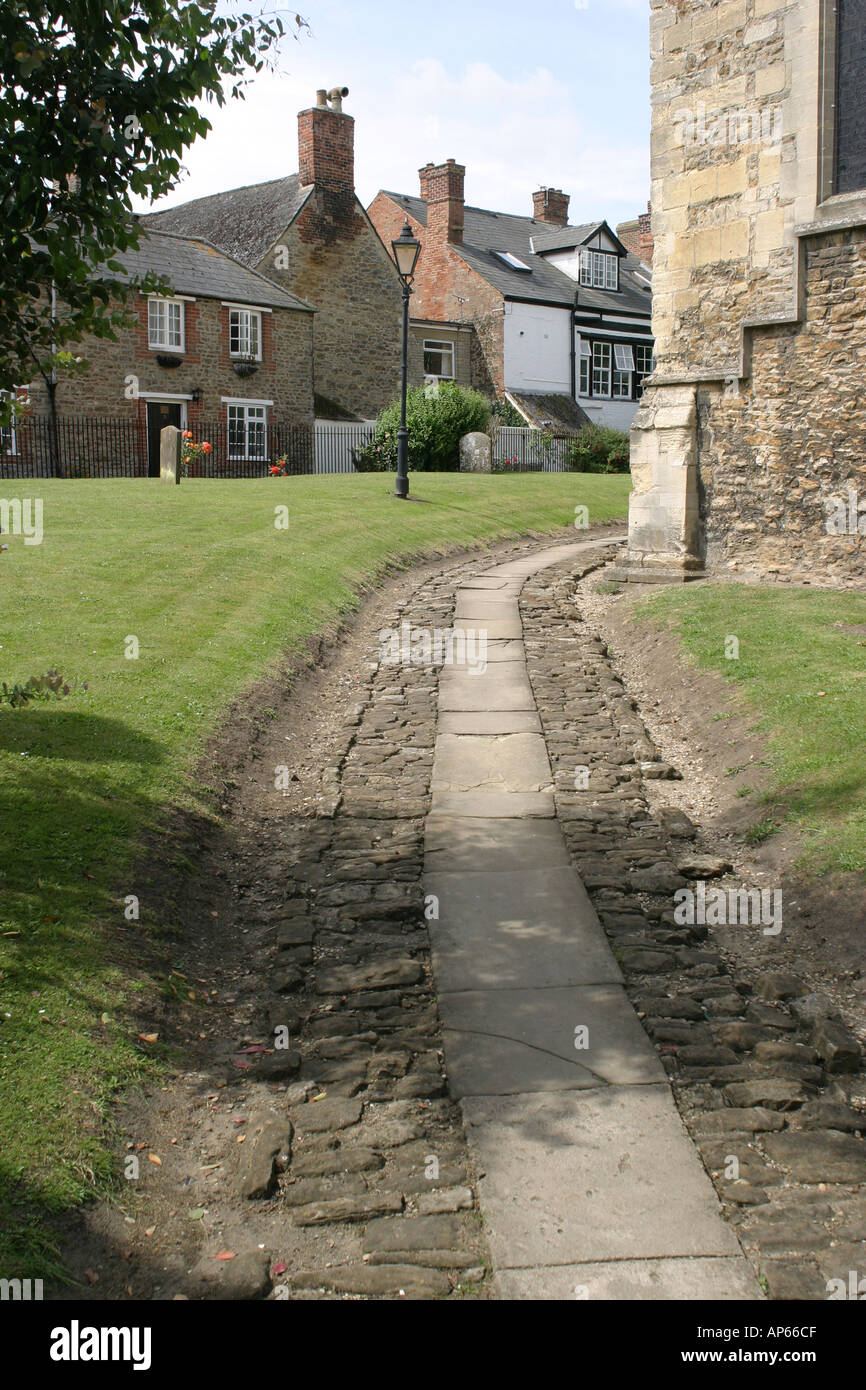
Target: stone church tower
(749,450)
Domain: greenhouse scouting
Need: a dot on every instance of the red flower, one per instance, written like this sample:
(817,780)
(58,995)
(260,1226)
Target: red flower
(205,448)
(274,470)
(187,434)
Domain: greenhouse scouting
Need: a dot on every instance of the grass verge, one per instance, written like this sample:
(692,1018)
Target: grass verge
(200,583)
(800,663)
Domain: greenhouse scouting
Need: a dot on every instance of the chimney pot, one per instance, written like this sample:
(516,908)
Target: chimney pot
(442,191)
(326,152)
(551,205)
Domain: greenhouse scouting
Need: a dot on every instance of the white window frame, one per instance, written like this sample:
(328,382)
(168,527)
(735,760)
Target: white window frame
(602,368)
(599,270)
(585,368)
(157,344)
(444,346)
(645,347)
(242,409)
(245,317)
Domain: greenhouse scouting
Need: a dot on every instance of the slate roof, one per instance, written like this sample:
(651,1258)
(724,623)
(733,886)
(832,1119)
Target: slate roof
(192,266)
(244,222)
(551,410)
(485,232)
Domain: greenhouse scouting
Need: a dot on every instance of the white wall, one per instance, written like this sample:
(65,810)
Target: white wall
(537,348)
(617,414)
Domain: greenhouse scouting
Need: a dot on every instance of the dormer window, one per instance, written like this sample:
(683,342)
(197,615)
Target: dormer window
(165,324)
(599,270)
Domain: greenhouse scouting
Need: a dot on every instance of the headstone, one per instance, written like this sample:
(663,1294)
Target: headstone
(476,453)
(169,454)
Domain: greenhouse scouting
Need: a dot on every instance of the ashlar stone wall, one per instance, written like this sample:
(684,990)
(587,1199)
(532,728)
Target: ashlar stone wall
(758,301)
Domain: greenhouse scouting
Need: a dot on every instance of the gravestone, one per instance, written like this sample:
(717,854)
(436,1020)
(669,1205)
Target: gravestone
(169,454)
(476,453)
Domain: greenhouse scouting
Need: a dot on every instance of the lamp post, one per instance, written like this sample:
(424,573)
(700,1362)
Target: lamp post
(406,251)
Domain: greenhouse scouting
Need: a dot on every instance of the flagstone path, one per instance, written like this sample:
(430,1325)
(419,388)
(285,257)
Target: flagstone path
(590,1185)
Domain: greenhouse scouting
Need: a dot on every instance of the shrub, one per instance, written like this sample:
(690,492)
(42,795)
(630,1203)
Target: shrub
(502,412)
(51,686)
(437,420)
(599,449)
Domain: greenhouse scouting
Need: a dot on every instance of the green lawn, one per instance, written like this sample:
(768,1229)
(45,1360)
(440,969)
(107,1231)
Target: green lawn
(804,674)
(215,596)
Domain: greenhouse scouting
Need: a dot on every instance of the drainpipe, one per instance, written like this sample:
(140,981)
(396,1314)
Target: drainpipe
(573,348)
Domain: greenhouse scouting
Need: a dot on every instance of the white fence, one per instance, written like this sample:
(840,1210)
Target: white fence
(335,443)
(529,451)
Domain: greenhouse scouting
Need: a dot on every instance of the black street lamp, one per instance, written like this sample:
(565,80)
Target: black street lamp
(406,252)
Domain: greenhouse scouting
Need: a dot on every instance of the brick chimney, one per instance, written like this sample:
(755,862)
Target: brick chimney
(442,191)
(551,205)
(326,147)
(645,235)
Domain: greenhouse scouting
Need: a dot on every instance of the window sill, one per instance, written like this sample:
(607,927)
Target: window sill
(836,214)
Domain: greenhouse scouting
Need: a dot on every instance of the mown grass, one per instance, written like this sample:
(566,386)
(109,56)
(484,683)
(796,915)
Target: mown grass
(803,672)
(216,596)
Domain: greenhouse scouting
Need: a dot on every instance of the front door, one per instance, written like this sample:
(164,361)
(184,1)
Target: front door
(159,414)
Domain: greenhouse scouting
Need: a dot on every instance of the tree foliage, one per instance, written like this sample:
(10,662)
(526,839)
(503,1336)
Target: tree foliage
(98,102)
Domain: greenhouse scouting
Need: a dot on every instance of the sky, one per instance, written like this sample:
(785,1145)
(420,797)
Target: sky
(554,93)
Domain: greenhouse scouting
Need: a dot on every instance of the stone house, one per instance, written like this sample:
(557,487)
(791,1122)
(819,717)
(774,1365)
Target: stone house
(309,234)
(749,449)
(226,350)
(555,317)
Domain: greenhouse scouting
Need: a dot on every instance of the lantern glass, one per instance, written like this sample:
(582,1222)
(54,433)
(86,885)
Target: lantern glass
(406,252)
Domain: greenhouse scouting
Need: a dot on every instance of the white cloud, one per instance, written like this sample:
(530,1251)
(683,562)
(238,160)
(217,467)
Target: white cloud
(513,134)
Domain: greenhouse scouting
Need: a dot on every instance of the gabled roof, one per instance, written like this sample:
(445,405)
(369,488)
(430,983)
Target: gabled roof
(192,266)
(244,222)
(567,238)
(487,232)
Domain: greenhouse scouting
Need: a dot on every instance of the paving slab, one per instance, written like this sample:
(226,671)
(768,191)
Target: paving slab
(508,805)
(514,721)
(497,762)
(503,686)
(504,649)
(476,607)
(718,1278)
(493,627)
(492,584)
(467,843)
(503,930)
(501,1042)
(610,1174)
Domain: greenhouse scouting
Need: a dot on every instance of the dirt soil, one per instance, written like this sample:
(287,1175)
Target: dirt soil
(725,768)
